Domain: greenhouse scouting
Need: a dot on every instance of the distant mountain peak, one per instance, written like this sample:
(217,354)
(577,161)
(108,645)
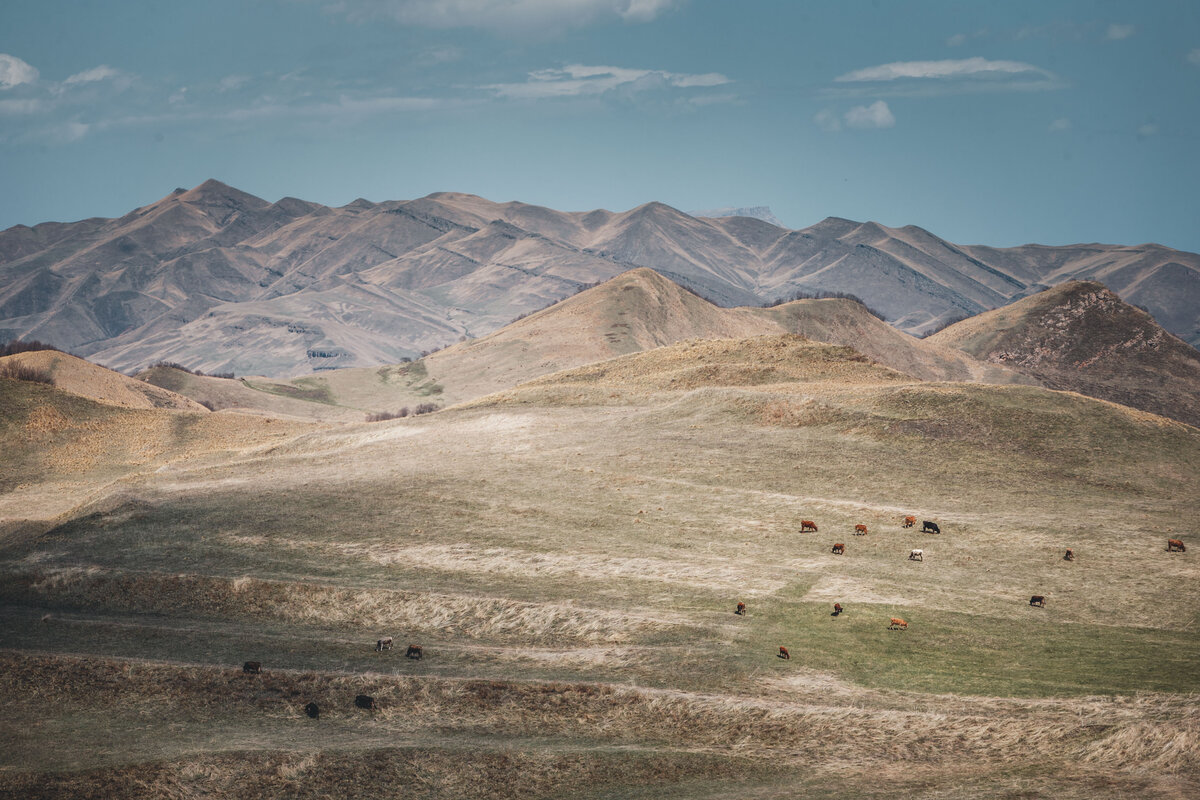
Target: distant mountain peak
(212,192)
(754,212)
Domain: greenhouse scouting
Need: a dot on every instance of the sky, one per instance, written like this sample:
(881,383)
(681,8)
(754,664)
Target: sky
(985,123)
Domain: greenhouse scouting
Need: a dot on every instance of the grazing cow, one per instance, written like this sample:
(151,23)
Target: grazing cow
(1069,555)
(839,548)
(313,711)
(383,644)
(808,525)
(252,667)
(1038,600)
(897,624)
(414,651)
(783,653)
(741,609)
(916,555)
(930,527)
(1176,544)
(365,701)
(837,609)
(860,530)
(908,522)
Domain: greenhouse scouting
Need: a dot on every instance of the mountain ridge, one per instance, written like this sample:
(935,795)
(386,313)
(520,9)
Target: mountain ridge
(224,281)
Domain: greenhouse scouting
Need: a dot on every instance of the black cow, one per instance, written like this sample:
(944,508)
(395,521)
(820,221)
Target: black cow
(364,701)
(313,710)
(252,667)
(1038,600)
(930,527)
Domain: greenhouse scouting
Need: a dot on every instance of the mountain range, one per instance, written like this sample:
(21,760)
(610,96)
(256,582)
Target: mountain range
(221,280)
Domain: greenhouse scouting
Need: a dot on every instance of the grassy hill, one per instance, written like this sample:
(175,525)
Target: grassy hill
(636,311)
(569,553)
(81,377)
(1081,337)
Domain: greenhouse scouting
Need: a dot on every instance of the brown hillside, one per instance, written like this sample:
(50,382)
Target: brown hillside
(640,310)
(636,311)
(61,448)
(77,376)
(1081,337)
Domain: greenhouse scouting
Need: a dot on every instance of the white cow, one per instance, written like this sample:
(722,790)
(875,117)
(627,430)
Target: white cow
(916,555)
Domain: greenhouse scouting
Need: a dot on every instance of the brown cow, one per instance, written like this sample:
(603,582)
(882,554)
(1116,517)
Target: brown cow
(860,530)
(383,644)
(908,522)
(1069,555)
(897,624)
(1038,600)
(741,609)
(313,710)
(837,609)
(808,525)
(252,667)
(839,548)
(365,701)
(1176,544)
(414,651)
(783,653)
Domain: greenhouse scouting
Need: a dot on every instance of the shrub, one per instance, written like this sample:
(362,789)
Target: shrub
(23,372)
(384,416)
(425,408)
(15,346)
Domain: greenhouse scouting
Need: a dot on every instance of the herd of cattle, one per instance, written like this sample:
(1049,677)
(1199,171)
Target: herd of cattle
(918,554)
(313,711)
(415,651)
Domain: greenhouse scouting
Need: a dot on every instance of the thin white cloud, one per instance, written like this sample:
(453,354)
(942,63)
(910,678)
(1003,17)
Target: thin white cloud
(957,40)
(14,72)
(828,120)
(100,73)
(1117,32)
(29,105)
(947,68)
(876,115)
(946,76)
(1193,56)
(575,80)
(1059,125)
(520,17)
(232,83)
(1148,129)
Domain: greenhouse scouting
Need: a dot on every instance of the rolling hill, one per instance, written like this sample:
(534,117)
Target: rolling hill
(79,376)
(636,311)
(569,553)
(221,281)
(1081,337)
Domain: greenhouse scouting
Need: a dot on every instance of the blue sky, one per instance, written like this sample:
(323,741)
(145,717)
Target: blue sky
(990,123)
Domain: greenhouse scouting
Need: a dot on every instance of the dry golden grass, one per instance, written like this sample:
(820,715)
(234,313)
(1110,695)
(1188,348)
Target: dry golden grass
(570,552)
